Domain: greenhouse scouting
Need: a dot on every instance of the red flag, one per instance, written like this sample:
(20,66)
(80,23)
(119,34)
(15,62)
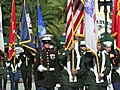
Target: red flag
(115,33)
(12,31)
(75,13)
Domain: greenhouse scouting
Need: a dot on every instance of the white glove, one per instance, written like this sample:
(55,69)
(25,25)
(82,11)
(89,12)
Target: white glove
(41,68)
(58,85)
(19,64)
(7,64)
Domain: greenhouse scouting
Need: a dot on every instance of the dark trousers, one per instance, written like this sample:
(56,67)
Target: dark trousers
(116,86)
(14,79)
(3,77)
(42,88)
(64,87)
(27,79)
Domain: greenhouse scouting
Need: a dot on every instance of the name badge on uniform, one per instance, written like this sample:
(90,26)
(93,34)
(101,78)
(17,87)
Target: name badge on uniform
(52,56)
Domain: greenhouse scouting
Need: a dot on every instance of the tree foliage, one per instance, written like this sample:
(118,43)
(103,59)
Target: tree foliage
(54,13)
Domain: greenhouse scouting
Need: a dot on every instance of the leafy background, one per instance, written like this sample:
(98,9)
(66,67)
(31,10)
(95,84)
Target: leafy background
(54,14)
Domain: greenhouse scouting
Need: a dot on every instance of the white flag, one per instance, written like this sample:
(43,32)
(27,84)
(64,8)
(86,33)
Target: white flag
(1,32)
(91,31)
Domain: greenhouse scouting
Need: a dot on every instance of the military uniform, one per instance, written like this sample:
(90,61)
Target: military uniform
(65,57)
(92,81)
(95,80)
(26,69)
(83,52)
(3,71)
(13,67)
(115,76)
(46,67)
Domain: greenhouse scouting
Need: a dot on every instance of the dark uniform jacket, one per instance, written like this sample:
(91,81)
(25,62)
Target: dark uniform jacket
(26,62)
(1,63)
(65,76)
(14,62)
(91,78)
(116,64)
(47,78)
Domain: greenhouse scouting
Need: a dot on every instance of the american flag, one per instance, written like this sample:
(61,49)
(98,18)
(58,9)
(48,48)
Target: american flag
(75,13)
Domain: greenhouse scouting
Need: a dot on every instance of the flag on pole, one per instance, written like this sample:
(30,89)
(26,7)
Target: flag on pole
(41,25)
(91,34)
(1,32)
(91,31)
(12,31)
(115,33)
(26,33)
(75,13)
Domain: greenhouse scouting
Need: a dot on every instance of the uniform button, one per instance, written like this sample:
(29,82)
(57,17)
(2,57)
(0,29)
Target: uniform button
(47,66)
(48,63)
(47,57)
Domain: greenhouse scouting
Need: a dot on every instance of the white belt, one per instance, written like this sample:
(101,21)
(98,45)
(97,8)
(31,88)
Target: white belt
(49,69)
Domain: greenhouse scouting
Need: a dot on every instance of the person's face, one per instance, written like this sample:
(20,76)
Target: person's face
(47,45)
(83,48)
(108,48)
(98,46)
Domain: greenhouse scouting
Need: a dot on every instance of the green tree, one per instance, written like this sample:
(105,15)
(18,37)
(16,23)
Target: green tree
(54,12)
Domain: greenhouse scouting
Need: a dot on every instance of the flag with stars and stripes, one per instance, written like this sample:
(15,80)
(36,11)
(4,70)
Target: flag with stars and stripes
(75,13)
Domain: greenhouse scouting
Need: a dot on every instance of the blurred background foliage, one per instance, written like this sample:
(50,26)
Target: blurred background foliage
(54,14)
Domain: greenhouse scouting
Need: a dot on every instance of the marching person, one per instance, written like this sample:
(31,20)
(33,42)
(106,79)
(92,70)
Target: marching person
(108,50)
(26,68)
(46,66)
(83,50)
(71,78)
(115,76)
(13,67)
(97,80)
(3,70)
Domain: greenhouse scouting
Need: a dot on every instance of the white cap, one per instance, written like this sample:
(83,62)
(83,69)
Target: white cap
(46,37)
(82,43)
(107,43)
(19,50)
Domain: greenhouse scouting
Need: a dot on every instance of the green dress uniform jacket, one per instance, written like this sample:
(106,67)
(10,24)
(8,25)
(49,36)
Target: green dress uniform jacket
(62,56)
(26,69)
(47,78)
(91,78)
(26,64)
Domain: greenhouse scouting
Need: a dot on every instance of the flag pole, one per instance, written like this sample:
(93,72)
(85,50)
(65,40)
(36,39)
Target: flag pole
(72,37)
(38,40)
(14,38)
